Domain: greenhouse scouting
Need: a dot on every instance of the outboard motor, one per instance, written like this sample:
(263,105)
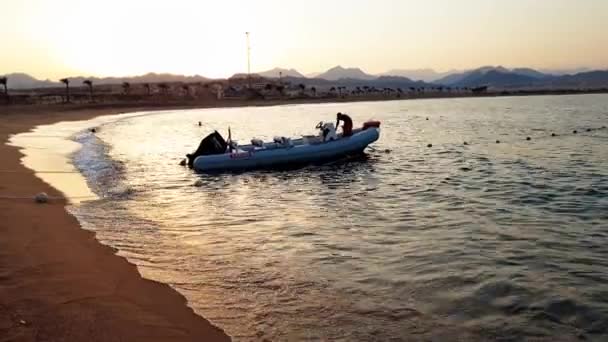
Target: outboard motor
(370,124)
(214,143)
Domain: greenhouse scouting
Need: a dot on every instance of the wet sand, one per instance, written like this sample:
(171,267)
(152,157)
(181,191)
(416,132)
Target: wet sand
(57,282)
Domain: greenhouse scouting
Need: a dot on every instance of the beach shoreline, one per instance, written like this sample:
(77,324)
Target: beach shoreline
(57,282)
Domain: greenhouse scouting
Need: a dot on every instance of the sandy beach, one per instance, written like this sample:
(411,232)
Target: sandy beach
(57,282)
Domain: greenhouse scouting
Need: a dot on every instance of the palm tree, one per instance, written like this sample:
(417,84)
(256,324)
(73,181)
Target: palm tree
(196,88)
(126,88)
(4,82)
(164,88)
(340,91)
(314,91)
(332,89)
(67,89)
(89,84)
(147,87)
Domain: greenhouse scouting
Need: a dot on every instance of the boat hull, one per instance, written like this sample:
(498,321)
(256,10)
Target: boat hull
(288,156)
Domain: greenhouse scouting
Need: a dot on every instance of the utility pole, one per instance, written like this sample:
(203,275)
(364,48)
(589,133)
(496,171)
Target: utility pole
(248,61)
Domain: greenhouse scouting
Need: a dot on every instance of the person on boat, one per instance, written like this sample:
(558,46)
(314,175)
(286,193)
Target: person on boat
(347,128)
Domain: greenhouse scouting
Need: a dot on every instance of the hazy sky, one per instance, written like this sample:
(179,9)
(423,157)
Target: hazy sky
(55,38)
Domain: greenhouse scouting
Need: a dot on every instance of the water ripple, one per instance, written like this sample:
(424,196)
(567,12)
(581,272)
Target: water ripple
(476,242)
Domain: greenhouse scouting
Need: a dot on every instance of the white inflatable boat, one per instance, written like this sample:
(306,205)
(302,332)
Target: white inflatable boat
(215,155)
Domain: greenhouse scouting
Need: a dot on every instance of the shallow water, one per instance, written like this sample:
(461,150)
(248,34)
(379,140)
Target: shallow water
(474,241)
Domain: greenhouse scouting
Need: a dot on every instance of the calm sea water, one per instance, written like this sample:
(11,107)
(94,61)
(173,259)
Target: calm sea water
(472,242)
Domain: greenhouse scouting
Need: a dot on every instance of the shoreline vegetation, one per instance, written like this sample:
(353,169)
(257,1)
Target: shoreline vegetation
(208,96)
(171,90)
(57,282)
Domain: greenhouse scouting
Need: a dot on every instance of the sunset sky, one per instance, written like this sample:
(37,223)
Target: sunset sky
(57,38)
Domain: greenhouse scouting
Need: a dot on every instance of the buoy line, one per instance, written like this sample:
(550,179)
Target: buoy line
(576,132)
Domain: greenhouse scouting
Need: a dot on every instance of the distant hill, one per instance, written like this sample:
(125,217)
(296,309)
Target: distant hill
(25,81)
(530,72)
(147,78)
(590,80)
(274,73)
(398,82)
(313,74)
(562,72)
(379,82)
(455,78)
(426,75)
(499,77)
(496,78)
(338,72)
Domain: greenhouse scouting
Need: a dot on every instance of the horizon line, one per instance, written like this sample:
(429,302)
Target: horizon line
(545,69)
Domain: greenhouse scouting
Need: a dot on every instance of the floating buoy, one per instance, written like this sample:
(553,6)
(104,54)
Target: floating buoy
(552,134)
(182,162)
(465,143)
(93,130)
(528,138)
(498,141)
(574,132)
(429,145)
(427,119)
(603,127)
(588,129)
(388,150)
(199,124)
(198,183)
(41,197)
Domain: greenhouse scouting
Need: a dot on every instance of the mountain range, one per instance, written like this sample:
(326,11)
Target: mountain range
(426,75)
(280,72)
(500,77)
(493,76)
(338,72)
(25,81)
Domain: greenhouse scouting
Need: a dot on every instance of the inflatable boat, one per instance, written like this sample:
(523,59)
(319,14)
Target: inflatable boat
(215,154)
